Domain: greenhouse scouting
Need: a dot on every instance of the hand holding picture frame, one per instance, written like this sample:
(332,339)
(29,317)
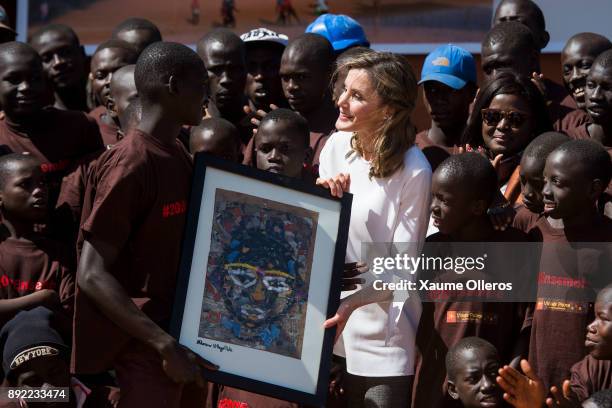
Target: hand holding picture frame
(261,269)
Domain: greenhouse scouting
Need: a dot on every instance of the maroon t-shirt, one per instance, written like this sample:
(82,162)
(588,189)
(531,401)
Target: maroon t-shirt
(109,131)
(29,266)
(443,324)
(57,138)
(524,220)
(135,199)
(559,321)
(589,376)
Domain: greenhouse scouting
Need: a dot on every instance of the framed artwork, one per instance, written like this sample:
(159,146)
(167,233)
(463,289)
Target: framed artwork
(260,272)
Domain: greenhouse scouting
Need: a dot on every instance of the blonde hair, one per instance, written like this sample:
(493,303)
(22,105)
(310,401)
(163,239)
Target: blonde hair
(394,81)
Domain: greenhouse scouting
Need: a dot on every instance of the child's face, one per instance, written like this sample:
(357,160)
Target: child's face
(576,60)
(599,94)
(451,206)
(219,143)
(226,73)
(532,182)
(359,104)
(567,190)
(263,85)
(474,383)
(103,65)
(304,81)
(448,107)
(599,332)
(25,193)
(23,89)
(122,92)
(279,149)
(63,59)
(507,125)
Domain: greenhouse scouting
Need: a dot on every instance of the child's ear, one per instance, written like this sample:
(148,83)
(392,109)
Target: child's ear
(172,85)
(452,391)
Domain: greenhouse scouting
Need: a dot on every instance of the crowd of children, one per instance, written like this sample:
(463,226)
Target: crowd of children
(96,160)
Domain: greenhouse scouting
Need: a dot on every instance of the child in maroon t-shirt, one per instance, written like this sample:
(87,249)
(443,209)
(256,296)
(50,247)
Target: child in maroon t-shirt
(463,187)
(55,137)
(530,172)
(575,175)
(132,224)
(108,58)
(34,271)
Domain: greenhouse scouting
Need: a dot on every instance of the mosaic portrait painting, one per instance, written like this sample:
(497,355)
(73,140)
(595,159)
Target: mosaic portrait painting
(258,273)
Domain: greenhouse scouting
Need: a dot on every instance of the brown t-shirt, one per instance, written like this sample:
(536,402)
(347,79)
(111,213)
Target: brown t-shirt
(135,199)
(559,321)
(443,324)
(589,376)
(524,220)
(109,131)
(29,266)
(57,139)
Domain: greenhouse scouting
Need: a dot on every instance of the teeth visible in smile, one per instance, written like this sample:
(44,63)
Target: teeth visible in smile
(579,92)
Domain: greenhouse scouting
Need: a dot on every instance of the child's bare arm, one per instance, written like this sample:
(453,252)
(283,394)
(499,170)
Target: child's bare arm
(45,297)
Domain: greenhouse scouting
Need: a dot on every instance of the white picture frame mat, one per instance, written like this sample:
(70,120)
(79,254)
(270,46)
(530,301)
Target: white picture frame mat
(264,366)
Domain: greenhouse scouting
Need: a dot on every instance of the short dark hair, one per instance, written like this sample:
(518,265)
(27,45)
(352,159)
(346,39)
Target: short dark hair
(592,155)
(16,47)
(533,8)
(602,398)
(604,59)
(468,343)
(314,46)
(136,23)
(543,145)
(131,52)
(294,119)
(224,36)
(60,28)
(512,84)
(216,125)
(8,162)
(597,41)
(474,171)
(159,61)
(513,35)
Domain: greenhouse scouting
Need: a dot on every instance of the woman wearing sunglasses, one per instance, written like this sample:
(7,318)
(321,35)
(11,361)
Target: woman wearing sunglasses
(509,112)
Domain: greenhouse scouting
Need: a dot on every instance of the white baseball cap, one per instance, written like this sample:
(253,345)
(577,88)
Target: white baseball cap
(264,35)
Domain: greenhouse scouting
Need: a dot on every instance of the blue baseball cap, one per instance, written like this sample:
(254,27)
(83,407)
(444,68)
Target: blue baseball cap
(341,31)
(451,65)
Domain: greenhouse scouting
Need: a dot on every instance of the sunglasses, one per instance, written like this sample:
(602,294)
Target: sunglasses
(492,117)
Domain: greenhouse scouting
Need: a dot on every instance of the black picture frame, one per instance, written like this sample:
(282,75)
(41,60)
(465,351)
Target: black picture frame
(203,163)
